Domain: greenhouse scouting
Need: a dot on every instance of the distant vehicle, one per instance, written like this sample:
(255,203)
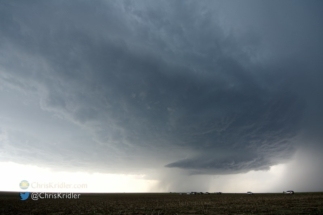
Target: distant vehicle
(196,193)
(218,192)
(192,193)
(207,193)
(289,192)
(249,192)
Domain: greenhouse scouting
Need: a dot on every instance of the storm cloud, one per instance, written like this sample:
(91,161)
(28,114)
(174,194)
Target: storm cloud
(207,87)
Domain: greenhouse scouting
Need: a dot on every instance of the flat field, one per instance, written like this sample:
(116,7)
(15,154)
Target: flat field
(170,203)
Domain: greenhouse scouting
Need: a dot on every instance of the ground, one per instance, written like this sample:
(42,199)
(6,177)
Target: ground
(170,203)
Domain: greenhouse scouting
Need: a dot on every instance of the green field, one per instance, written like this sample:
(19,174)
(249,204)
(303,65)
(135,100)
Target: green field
(170,203)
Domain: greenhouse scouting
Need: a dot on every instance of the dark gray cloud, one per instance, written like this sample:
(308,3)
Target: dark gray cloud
(209,87)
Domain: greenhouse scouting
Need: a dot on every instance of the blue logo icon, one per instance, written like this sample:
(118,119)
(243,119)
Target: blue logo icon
(24,196)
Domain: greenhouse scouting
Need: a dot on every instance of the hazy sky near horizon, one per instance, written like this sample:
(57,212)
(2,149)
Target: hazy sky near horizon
(173,90)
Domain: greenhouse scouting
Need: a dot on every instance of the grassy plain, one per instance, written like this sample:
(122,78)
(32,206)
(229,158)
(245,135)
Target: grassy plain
(170,203)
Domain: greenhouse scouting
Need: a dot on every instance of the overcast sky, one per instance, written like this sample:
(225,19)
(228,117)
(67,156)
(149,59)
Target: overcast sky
(204,92)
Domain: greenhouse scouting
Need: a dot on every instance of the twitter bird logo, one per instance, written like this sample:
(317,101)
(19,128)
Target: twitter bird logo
(24,196)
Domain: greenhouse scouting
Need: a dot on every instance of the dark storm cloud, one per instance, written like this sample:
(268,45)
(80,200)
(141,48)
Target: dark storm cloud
(164,82)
